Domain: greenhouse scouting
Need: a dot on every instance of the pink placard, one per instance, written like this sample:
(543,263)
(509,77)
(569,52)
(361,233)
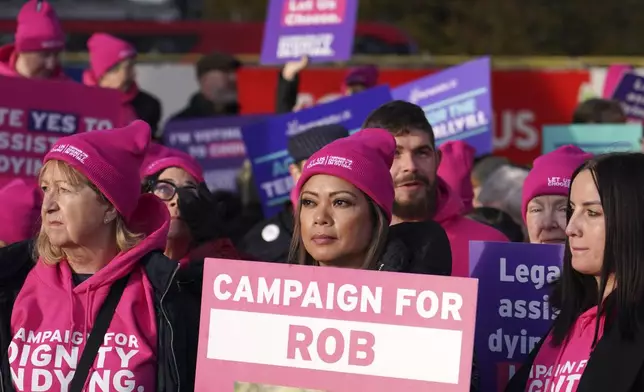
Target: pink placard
(312,12)
(36,113)
(333,330)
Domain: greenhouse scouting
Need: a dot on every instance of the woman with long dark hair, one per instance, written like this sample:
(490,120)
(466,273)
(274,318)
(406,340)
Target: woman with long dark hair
(342,219)
(345,204)
(597,340)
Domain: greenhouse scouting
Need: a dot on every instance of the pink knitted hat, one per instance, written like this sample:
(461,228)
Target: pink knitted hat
(20,202)
(551,172)
(456,169)
(110,159)
(165,157)
(105,51)
(38,28)
(363,159)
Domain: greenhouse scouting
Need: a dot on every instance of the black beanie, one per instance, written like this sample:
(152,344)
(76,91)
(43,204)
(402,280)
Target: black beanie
(305,144)
(216,61)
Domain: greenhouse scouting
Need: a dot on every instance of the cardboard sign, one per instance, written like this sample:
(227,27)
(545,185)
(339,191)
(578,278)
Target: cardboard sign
(216,143)
(266,142)
(513,313)
(320,29)
(34,114)
(334,329)
(457,103)
(593,138)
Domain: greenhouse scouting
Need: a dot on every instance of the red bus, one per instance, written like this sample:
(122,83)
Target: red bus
(189,37)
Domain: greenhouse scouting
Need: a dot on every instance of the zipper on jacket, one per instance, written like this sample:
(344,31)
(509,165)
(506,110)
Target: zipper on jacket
(167,320)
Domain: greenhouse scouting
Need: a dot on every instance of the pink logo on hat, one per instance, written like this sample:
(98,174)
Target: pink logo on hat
(559,182)
(72,151)
(331,160)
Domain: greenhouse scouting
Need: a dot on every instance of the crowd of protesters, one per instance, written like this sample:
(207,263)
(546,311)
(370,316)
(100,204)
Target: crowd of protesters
(116,241)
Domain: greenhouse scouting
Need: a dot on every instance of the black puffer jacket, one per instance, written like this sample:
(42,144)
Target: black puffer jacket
(421,248)
(177,316)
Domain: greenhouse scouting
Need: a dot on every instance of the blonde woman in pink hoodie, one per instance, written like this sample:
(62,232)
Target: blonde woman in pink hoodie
(597,341)
(100,308)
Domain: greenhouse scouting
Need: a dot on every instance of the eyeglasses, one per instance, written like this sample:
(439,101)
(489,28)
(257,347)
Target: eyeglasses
(165,190)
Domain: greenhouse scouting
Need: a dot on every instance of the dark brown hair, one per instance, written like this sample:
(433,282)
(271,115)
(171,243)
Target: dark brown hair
(399,118)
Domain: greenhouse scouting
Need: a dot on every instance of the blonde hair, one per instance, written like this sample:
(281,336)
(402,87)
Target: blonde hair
(125,238)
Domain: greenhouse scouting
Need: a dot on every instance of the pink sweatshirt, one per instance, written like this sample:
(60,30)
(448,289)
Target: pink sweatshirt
(561,368)
(8,56)
(51,320)
(460,230)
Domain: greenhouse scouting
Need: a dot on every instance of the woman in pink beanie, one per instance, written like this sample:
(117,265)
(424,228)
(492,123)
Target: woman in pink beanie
(195,224)
(545,194)
(346,197)
(39,41)
(111,63)
(100,269)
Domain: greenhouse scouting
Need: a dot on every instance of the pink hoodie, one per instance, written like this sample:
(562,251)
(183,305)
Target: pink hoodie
(8,57)
(561,368)
(51,319)
(456,170)
(460,230)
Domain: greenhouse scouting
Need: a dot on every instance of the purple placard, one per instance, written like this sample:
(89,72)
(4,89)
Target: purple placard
(457,103)
(216,143)
(321,29)
(512,311)
(630,94)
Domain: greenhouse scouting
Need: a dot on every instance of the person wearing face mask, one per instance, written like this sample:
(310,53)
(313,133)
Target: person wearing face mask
(346,198)
(99,269)
(112,63)
(35,53)
(196,224)
(217,95)
(195,228)
(596,343)
(545,194)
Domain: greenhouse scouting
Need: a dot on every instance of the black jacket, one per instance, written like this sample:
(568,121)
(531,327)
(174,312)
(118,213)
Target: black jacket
(200,106)
(269,240)
(615,365)
(286,93)
(177,316)
(148,109)
(421,248)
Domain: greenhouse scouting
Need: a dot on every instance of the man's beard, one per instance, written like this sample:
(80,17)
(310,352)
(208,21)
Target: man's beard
(420,206)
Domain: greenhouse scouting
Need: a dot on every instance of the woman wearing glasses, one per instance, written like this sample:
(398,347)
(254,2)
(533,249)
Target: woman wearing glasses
(195,228)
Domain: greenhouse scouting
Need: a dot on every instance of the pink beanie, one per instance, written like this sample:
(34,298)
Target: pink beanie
(363,159)
(551,172)
(20,202)
(38,28)
(456,169)
(163,157)
(110,159)
(105,51)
